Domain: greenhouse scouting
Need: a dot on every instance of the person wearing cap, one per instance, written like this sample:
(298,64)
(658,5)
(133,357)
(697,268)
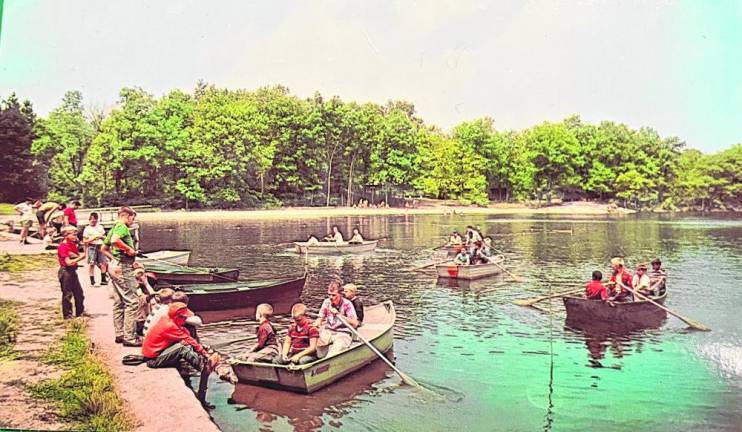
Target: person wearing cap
(118,246)
(169,342)
(620,280)
(640,281)
(68,257)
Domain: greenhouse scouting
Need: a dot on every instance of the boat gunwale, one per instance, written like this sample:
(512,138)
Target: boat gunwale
(196,290)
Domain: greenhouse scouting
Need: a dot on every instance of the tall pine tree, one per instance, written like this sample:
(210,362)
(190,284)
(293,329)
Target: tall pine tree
(18,178)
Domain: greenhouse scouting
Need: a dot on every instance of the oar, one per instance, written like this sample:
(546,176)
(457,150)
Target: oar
(534,300)
(693,324)
(429,265)
(514,276)
(405,378)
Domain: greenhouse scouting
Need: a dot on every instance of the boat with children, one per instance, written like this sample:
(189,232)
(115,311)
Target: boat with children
(377,328)
(334,248)
(595,310)
(281,293)
(178,274)
(452,270)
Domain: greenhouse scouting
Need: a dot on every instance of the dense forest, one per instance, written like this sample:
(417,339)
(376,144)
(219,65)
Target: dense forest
(265,148)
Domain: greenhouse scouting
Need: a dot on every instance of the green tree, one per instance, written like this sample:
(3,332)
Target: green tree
(18,180)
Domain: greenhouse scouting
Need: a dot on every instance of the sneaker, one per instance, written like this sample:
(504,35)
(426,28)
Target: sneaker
(119,339)
(92,281)
(135,343)
(104,281)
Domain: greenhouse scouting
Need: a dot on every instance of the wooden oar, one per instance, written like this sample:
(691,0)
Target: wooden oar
(429,265)
(514,276)
(534,300)
(405,378)
(693,324)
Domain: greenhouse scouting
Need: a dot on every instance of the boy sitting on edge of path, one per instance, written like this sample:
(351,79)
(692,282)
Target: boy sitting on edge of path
(169,342)
(266,348)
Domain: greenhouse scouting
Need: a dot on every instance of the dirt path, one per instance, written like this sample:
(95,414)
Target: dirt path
(157,398)
(40,326)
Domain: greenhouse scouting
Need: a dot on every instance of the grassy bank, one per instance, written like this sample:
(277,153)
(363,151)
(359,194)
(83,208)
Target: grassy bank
(22,263)
(85,394)
(7,209)
(8,328)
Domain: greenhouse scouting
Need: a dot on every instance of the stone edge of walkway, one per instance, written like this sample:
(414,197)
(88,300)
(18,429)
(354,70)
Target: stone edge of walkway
(158,399)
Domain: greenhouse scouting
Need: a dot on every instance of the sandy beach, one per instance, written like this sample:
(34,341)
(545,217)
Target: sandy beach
(573,208)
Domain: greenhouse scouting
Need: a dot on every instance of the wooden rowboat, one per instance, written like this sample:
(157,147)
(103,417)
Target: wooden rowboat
(181,257)
(176,274)
(280,293)
(377,328)
(332,248)
(470,272)
(581,309)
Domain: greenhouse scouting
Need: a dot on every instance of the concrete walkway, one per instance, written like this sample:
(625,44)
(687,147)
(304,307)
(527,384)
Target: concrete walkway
(157,398)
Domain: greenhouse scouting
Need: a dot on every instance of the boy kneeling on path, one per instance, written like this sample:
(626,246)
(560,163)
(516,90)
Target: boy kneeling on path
(169,342)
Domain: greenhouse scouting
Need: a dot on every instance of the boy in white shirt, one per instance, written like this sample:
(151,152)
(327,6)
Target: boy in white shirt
(92,238)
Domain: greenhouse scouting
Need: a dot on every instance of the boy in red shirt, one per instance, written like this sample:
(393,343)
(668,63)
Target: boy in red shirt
(595,288)
(300,346)
(169,342)
(70,218)
(68,257)
(266,348)
(620,279)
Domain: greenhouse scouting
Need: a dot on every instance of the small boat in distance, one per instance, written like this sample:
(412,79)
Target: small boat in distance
(181,257)
(470,272)
(580,309)
(177,274)
(332,248)
(281,293)
(377,328)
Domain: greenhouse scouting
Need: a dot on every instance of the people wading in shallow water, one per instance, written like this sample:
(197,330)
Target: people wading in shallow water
(68,256)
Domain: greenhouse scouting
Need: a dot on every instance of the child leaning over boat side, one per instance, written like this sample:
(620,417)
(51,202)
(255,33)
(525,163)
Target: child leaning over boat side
(266,348)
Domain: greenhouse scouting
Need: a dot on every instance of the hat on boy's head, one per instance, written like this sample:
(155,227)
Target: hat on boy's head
(641,267)
(179,308)
(656,261)
(69,228)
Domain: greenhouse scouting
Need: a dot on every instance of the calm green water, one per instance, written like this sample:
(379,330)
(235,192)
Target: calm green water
(497,365)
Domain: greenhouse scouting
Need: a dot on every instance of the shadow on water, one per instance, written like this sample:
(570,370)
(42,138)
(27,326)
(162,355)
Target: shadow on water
(619,337)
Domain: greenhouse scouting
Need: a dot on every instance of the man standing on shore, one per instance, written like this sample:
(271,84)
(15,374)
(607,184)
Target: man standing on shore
(118,246)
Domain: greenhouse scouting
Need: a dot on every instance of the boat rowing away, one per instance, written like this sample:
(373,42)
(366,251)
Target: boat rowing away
(181,257)
(177,274)
(377,328)
(332,248)
(281,293)
(579,308)
(470,272)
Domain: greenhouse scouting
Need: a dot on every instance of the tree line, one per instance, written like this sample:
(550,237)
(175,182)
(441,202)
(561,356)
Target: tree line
(238,148)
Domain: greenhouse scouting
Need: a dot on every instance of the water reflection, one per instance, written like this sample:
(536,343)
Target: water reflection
(469,337)
(306,413)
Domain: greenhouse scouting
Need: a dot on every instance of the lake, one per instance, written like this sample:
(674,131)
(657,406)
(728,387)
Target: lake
(498,366)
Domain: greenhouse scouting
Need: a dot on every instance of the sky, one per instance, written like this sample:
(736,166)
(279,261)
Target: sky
(675,66)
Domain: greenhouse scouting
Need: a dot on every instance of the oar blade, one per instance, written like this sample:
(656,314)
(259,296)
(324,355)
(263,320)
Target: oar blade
(525,302)
(695,325)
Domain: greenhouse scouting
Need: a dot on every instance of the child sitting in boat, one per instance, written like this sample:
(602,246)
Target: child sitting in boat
(312,241)
(595,288)
(335,236)
(641,282)
(266,348)
(356,238)
(462,258)
(351,293)
(300,345)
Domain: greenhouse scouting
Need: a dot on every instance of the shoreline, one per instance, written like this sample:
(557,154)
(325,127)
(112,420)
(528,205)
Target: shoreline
(133,384)
(578,209)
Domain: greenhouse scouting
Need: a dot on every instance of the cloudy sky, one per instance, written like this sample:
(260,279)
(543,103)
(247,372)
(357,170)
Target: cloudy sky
(672,65)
